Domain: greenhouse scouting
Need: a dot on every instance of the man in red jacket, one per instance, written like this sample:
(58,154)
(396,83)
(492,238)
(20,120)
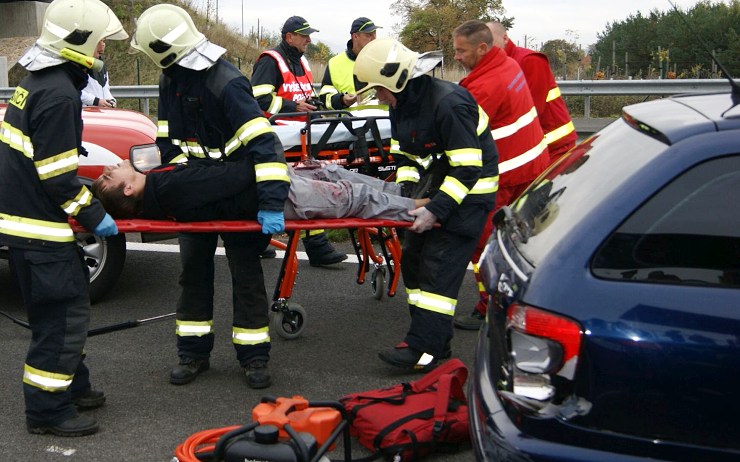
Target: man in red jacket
(554,117)
(498,85)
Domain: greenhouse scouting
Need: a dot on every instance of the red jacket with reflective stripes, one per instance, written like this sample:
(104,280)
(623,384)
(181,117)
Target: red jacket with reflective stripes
(499,86)
(554,117)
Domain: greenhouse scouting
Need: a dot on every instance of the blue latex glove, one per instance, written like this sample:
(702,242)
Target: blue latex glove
(107,227)
(272,221)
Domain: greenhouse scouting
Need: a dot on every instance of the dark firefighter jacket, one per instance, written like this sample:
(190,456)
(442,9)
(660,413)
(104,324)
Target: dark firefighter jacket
(40,140)
(442,142)
(212,114)
(194,192)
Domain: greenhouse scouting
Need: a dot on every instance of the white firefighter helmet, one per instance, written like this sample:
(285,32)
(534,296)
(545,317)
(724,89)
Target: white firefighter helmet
(166,33)
(72,30)
(388,63)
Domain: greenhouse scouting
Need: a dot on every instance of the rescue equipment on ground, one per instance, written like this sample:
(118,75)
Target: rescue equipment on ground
(283,430)
(410,420)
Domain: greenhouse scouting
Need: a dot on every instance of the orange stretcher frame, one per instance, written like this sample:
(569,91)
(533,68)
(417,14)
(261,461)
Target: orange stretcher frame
(289,318)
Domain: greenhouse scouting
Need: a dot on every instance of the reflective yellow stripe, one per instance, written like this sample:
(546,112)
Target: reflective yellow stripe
(521,122)
(179,159)
(328,90)
(407,174)
(437,303)
(47,381)
(247,132)
(412,296)
(272,171)
(554,93)
(522,159)
(14,138)
(482,121)
(326,93)
(35,229)
(559,132)
(453,188)
(193,328)
(57,165)
(241,336)
(163,129)
(262,90)
(276,105)
(466,157)
(196,150)
(395,148)
(311,232)
(83,199)
(485,185)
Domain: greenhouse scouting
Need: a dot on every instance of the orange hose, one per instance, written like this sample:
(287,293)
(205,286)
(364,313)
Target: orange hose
(203,441)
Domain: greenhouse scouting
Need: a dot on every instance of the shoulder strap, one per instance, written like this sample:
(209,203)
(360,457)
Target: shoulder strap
(453,366)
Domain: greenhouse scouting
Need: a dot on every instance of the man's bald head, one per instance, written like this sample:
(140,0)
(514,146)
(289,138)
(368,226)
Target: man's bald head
(499,33)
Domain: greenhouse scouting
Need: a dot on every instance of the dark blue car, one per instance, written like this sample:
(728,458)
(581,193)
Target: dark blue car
(613,330)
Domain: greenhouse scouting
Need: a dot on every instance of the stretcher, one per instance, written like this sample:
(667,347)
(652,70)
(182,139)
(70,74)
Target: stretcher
(357,140)
(288,319)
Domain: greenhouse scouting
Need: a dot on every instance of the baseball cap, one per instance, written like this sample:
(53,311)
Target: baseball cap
(297,25)
(363,24)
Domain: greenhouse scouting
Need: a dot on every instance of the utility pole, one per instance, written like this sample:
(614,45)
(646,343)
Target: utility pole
(627,64)
(614,57)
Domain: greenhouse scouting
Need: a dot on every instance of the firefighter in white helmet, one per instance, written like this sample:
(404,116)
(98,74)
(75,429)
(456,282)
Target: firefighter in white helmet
(40,141)
(445,151)
(207,111)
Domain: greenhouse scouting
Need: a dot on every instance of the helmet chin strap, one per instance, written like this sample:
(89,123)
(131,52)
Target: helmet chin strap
(87,61)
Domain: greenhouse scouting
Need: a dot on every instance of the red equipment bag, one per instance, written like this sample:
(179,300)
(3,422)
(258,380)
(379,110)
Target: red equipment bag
(410,420)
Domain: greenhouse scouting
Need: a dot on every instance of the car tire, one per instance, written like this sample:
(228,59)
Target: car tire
(104,258)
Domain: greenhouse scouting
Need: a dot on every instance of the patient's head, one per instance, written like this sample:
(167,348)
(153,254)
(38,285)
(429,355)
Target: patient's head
(120,189)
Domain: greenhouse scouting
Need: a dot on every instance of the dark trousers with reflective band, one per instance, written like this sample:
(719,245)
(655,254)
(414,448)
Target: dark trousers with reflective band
(251,309)
(55,285)
(436,262)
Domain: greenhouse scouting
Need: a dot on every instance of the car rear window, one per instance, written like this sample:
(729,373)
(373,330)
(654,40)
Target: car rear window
(688,233)
(577,184)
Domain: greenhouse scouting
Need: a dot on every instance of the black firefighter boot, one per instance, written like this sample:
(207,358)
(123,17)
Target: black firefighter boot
(320,251)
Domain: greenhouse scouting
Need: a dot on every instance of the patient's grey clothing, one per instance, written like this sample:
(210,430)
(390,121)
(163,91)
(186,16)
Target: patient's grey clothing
(339,193)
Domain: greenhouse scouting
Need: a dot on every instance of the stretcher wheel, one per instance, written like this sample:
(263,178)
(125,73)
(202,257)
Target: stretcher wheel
(378,282)
(289,322)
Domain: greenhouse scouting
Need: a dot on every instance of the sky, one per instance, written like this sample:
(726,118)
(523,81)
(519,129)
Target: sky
(535,21)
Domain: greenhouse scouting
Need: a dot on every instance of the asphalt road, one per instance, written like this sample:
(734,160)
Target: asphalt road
(145,417)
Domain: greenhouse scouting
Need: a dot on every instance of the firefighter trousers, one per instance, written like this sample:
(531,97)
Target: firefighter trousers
(55,286)
(249,297)
(433,267)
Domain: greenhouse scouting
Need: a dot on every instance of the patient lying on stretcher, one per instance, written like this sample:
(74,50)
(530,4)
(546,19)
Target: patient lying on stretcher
(207,190)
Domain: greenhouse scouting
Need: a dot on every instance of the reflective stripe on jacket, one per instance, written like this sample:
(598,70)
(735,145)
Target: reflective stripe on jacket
(40,142)
(498,84)
(557,125)
(441,139)
(212,114)
(293,88)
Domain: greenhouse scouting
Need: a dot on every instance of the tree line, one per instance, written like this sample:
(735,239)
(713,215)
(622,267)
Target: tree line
(664,44)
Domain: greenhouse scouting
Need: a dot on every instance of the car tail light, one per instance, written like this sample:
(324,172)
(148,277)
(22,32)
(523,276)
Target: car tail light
(541,344)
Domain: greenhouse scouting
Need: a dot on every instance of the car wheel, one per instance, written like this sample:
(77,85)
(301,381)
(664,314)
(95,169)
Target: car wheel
(104,257)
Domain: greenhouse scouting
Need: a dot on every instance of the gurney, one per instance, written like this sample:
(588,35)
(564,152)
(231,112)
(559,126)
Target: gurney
(357,140)
(288,319)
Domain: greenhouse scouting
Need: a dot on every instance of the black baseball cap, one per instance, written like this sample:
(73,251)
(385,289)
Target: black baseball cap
(363,24)
(297,25)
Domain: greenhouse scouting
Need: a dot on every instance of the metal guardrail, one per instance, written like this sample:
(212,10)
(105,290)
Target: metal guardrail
(585,88)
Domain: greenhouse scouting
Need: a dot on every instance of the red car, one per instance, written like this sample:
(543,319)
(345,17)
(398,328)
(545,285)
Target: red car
(108,136)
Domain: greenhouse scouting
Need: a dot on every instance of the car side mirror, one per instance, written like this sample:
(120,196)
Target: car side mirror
(144,157)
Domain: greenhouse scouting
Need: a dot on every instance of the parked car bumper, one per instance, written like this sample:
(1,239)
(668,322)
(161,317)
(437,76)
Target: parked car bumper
(494,435)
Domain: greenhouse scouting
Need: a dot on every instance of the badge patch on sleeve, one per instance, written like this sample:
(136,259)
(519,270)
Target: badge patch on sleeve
(19,98)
